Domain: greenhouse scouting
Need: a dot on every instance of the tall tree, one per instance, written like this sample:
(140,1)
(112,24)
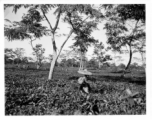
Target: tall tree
(39,53)
(125,26)
(80,55)
(83,40)
(19,53)
(25,60)
(100,53)
(9,55)
(75,14)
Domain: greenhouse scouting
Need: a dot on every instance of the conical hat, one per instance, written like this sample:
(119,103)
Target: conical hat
(84,72)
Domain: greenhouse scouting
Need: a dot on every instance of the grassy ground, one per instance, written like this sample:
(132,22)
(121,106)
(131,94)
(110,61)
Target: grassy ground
(27,92)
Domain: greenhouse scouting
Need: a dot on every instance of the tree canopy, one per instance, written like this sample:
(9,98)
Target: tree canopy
(125,27)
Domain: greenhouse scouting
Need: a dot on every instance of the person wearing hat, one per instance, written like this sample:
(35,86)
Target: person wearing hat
(84,86)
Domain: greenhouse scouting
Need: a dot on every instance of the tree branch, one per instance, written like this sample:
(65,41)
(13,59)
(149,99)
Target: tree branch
(133,31)
(34,49)
(47,19)
(69,37)
(32,43)
(78,24)
(71,24)
(135,27)
(85,19)
(57,21)
(65,42)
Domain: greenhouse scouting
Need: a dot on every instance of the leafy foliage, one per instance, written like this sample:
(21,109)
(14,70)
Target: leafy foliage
(134,11)
(9,53)
(19,52)
(29,27)
(39,53)
(82,29)
(124,27)
(27,92)
(100,53)
(16,7)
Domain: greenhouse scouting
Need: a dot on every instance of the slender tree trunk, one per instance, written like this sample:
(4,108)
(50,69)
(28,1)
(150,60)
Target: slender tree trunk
(52,66)
(84,61)
(142,57)
(80,68)
(55,55)
(143,60)
(99,64)
(37,66)
(54,58)
(84,64)
(130,58)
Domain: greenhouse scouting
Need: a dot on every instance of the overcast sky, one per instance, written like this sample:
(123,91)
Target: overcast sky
(64,29)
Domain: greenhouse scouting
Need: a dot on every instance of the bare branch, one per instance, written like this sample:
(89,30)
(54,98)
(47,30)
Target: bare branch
(57,21)
(135,27)
(85,19)
(33,47)
(65,42)
(71,24)
(32,43)
(47,19)
(70,33)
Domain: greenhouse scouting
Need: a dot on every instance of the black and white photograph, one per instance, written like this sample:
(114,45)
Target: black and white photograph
(74,59)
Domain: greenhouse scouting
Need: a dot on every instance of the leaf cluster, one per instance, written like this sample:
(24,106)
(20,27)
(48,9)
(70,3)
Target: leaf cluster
(99,51)
(133,11)
(29,27)
(118,31)
(39,52)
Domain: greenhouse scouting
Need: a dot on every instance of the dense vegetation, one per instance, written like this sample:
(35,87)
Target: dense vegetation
(27,92)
